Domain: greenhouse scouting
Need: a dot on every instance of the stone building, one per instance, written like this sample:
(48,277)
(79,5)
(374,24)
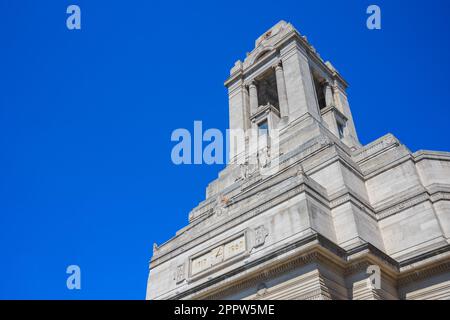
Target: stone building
(331,213)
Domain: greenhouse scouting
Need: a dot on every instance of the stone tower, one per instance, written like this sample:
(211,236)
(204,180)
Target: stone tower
(333,211)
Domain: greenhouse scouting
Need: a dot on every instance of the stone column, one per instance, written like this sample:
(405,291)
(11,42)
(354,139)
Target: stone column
(328,92)
(281,88)
(253,93)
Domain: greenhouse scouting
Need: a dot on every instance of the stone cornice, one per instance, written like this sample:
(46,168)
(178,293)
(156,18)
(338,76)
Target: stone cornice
(313,249)
(348,195)
(314,244)
(425,265)
(398,204)
(263,111)
(431,155)
(387,166)
(411,199)
(334,110)
(375,148)
(368,253)
(425,256)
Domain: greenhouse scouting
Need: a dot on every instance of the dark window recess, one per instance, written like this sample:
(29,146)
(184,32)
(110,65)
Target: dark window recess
(263,127)
(319,92)
(340,130)
(267,90)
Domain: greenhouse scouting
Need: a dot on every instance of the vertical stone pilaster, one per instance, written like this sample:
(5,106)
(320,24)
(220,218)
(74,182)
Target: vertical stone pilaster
(247,112)
(281,88)
(328,92)
(299,84)
(237,105)
(253,93)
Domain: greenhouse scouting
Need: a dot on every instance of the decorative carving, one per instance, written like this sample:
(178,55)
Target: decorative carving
(180,275)
(244,171)
(225,200)
(260,236)
(390,140)
(264,157)
(218,255)
(323,141)
(267,34)
(278,66)
(221,205)
(261,290)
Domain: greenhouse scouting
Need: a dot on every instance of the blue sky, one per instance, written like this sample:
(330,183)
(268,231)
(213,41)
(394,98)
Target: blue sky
(86,117)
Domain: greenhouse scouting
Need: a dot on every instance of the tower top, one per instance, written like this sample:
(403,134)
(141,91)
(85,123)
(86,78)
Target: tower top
(275,32)
(284,79)
(272,40)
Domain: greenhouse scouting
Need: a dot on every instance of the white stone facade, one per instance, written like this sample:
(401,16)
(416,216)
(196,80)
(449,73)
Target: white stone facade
(333,208)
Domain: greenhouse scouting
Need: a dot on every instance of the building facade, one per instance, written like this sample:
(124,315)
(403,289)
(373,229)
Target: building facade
(335,220)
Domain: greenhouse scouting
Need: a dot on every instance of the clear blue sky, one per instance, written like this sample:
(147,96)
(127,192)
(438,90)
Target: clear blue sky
(86,117)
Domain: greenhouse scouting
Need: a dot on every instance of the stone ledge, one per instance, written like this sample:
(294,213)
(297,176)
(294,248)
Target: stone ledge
(314,249)
(431,155)
(375,148)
